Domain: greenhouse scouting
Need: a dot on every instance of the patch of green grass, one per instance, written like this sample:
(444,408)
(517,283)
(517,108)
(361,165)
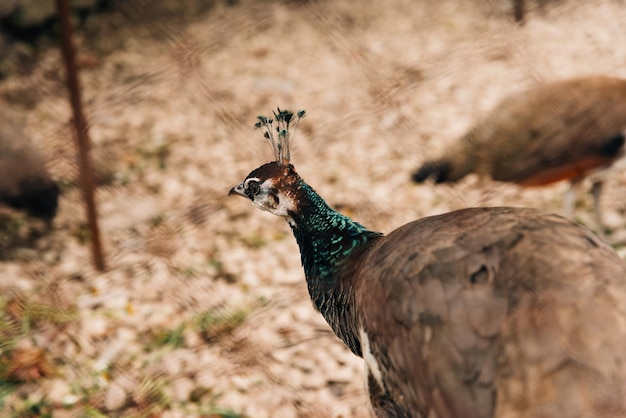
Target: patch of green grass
(82,233)
(254,241)
(20,313)
(150,397)
(217,264)
(40,408)
(32,313)
(41,313)
(190,271)
(159,152)
(156,221)
(9,332)
(6,389)
(214,324)
(220,412)
(174,337)
(91,412)
(220,270)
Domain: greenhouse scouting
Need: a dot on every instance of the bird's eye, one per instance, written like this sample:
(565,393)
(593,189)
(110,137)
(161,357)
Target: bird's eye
(253,188)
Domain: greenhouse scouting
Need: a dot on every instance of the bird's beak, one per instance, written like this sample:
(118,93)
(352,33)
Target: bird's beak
(237,191)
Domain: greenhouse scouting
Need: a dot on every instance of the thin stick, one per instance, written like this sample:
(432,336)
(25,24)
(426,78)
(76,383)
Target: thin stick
(80,129)
(518,10)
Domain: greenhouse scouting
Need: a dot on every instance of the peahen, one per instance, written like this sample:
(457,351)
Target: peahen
(482,312)
(25,183)
(565,130)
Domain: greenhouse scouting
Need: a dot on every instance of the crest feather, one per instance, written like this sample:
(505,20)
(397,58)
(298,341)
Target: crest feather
(279,135)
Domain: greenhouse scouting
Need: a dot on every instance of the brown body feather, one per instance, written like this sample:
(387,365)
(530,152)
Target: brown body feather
(496,312)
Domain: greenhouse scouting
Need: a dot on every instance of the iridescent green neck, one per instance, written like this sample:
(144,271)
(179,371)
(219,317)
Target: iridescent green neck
(330,243)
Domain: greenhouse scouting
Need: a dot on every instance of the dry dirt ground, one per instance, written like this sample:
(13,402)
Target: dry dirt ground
(203,309)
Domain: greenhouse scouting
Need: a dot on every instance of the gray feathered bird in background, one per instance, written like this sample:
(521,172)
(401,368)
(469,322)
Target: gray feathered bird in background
(565,130)
(25,183)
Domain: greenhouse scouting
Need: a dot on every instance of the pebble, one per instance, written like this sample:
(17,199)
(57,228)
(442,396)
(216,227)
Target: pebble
(115,397)
(172,365)
(206,378)
(94,326)
(59,392)
(182,388)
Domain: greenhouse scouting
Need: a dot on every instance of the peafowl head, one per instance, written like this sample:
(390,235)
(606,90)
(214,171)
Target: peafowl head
(275,186)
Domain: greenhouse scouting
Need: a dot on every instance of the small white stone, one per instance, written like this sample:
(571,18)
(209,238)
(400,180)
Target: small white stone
(94,326)
(193,340)
(174,414)
(58,391)
(172,365)
(115,398)
(206,379)
(110,353)
(314,381)
(182,389)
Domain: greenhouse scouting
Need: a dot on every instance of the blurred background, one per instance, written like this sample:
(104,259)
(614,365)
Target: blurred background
(203,308)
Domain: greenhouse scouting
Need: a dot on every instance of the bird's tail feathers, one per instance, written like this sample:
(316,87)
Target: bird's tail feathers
(439,170)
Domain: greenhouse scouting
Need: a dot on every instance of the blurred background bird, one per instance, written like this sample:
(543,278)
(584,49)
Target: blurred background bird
(565,130)
(25,183)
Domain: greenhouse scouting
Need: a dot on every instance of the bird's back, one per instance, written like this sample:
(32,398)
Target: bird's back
(558,131)
(561,130)
(502,311)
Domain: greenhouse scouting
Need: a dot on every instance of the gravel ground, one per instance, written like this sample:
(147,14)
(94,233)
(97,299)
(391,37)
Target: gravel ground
(203,310)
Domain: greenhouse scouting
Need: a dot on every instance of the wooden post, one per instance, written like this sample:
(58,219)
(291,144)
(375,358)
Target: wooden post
(80,131)
(518,10)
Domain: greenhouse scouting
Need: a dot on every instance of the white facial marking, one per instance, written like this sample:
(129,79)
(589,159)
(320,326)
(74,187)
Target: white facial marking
(371,365)
(270,199)
(247,181)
